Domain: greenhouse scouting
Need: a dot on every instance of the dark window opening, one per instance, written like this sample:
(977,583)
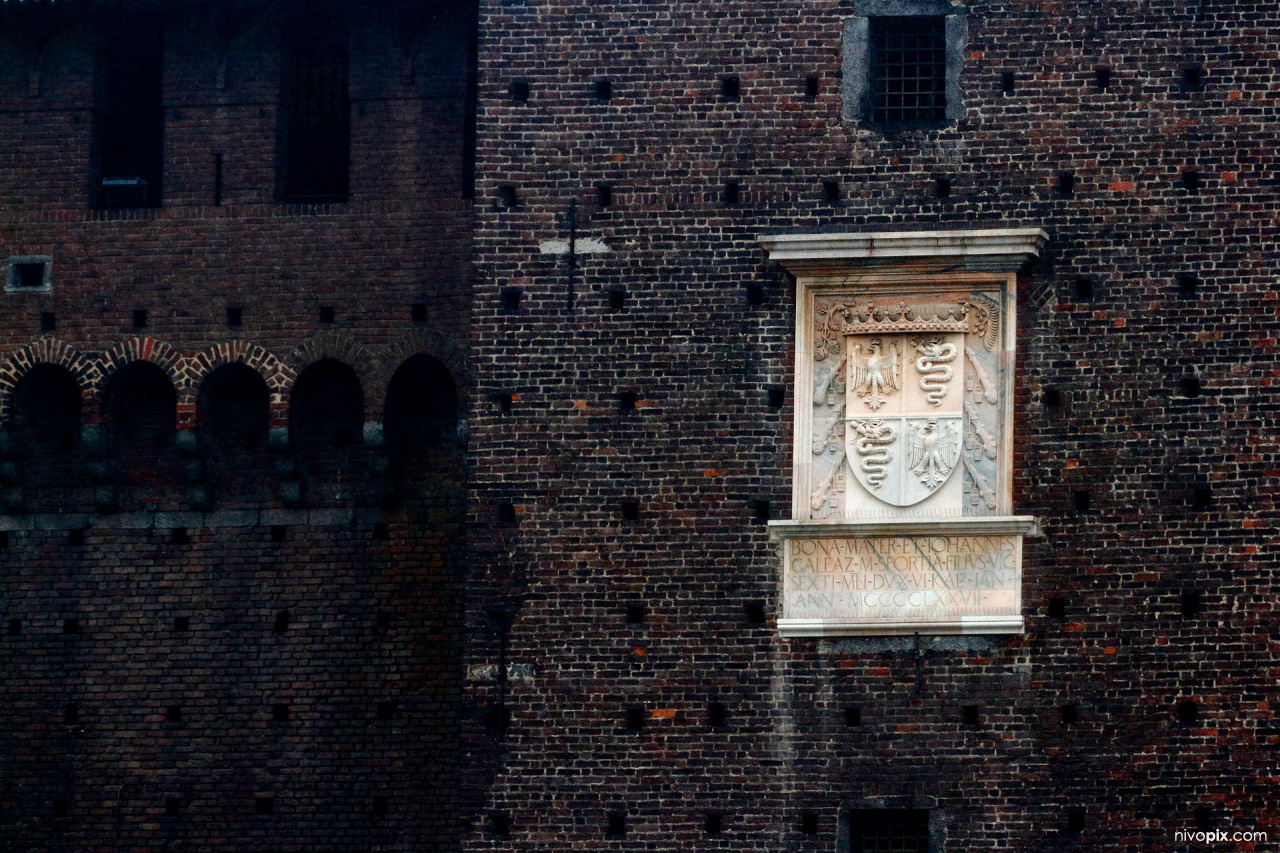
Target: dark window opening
(48,321)
(509,300)
(46,410)
(809,823)
(28,274)
(1189,387)
(1007,82)
(500,825)
(852,716)
(141,406)
(1187,712)
(1102,78)
(1082,289)
(635,720)
(754,612)
(1203,817)
(421,408)
(1066,183)
(326,407)
(604,195)
(777,396)
(732,192)
(234,408)
(520,90)
(1082,500)
(884,831)
(1052,398)
(235,317)
(908,70)
(635,614)
(1190,180)
(1188,285)
(630,510)
(969,713)
(717,715)
(1193,79)
(1190,604)
(831,190)
(755,294)
(315,127)
(730,88)
(1075,821)
(1070,714)
(617,825)
(811,88)
(131,124)
(507,197)
(617,298)
(942,187)
(604,90)
(1057,608)
(712,823)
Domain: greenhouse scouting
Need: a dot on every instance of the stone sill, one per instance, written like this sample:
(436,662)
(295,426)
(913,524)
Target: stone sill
(799,628)
(996,525)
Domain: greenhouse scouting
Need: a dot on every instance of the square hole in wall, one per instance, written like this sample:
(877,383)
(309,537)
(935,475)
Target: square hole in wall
(48,321)
(635,614)
(634,720)
(753,611)
(173,806)
(380,806)
(519,91)
(712,823)
(1057,608)
(280,713)
(140,318)
(500,825)
(811,88)
(173,714)
(1102,78)
(327,314)
(235,317)
(852,716)
(617,298)
(969,715)
(717,715)
(776,397)
(1070,714)
(509,300)
(616,825)
(1187,712)
(418,312)
(181,624)
(1190,603)
(630,510)
(730,87)
(604,90)
(264,805)
(809,823)
(28,274)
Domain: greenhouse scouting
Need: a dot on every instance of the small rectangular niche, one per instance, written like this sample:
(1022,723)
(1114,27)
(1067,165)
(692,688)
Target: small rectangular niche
(75,538)
(380,806)
(617,298)
(264,805)
(1201,497)
(1070,714)
(519,91)
(1189,180)
(173,806)
(508,198)
(630,510)
(418,312)
(386,710)
(717,715)
(1192,79)
(942,187)
(281,623)
(811,88)
(1188,285)
(1189,387)
(831,190)
(1075,821)
(1066,183)
(235,317)
(753,612)
(760,510)
(71,714)
(1082,289)
(181,624)
(173,714)
(15,627)
(616,827)
(1102,79)
(1082,500)
(754,294)
(636,614)
(179,536)
(1187,712)
(381,532)
(1057,608)
(140,318)
(852,716)
(500,825)
(71,626)
(29,274)
(712,823)
(969,715)
(507,514)
(732,192)
(634,720)
(279,533)
(776,397)
(1007,82)
(809,823)
(280,713)
(604,90)
(1052,398)
(509,300)
(730,87)
(327,315)
(48,321)
(1190,603)
(61,808)
(604,195)
(627,401)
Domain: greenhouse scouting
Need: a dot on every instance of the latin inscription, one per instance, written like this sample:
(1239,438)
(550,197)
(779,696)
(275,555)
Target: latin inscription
(902,578)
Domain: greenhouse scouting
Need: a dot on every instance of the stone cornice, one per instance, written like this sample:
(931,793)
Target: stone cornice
(996,249)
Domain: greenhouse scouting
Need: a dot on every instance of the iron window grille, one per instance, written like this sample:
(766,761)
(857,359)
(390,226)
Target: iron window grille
(888,831)
(908,70)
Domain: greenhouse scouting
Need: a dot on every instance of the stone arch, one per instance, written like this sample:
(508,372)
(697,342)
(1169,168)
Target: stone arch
(278,375)
(424,342)
(84,368)
(159,353)
(343,347)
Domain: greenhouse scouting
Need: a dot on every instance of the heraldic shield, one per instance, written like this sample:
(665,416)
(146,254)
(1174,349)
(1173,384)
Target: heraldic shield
(904,416)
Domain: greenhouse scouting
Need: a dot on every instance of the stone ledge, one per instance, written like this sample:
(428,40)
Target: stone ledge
(996,525)
(788,628)
(986,248)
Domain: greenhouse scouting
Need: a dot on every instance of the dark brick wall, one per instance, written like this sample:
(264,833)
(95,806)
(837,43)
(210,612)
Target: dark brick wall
(703,446)
(323,579)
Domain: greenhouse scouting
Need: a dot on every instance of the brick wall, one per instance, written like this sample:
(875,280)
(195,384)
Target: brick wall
(703,446)
(204,630)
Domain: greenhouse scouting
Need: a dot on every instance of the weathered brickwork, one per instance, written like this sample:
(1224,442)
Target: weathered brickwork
(703,445)
(232,523)
(339,603)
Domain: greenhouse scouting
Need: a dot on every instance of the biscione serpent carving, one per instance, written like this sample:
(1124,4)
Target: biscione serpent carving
(932,363)
(871,447)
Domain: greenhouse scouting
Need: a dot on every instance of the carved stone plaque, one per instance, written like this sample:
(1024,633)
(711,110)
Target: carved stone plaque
(961,582)
(904,433)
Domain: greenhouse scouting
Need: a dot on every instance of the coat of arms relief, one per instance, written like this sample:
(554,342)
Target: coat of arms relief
(910,408)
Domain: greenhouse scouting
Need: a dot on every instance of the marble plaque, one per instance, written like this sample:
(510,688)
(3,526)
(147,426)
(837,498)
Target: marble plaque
(901,584)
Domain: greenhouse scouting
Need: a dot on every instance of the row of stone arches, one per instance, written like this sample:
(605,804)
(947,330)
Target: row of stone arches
(234,430)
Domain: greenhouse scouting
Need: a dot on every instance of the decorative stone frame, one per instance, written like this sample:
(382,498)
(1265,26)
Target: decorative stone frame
(922,538)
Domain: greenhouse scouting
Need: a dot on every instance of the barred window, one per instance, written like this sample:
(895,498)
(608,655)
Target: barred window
(887,831)
(908,70)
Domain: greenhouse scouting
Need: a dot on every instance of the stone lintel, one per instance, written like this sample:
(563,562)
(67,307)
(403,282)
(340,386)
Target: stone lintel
(988,249)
